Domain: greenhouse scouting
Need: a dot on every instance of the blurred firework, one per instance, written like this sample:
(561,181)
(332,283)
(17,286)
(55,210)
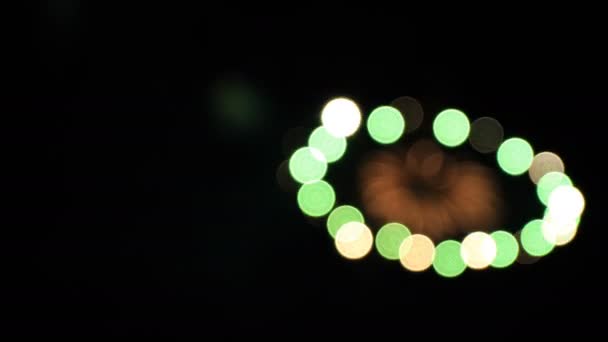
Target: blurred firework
(429,191)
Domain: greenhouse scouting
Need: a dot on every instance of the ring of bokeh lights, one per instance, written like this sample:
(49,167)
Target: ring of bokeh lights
(341,119)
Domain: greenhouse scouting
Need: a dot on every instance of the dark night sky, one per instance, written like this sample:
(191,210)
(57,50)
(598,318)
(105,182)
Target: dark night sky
(137,209)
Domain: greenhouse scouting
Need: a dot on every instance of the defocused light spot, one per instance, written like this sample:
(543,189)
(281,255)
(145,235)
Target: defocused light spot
(284,179)
(294,138)
(486,134)
(550,182)
(417,252)
(238,106)
(515,156)
(389,239)
(342,215)
(533,241)
(341,117)
(411,110)
(451,127)
(566,203)
(507,249)
(478,250)
(354,240)
(447,261)
(385,125)
(333,148)
(544,163)
(307,165)
(316,199)
(559,232)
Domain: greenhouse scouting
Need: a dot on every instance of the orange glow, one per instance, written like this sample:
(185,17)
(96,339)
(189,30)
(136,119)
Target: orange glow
(429,191)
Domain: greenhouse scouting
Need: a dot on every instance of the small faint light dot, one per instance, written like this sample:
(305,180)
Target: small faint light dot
(544,163)
(478,250)
(307,165)
(316,199)
(417,252)
(486,134)
(515,156)
(294,138)
(451,127)
(284,179)
(507,249)
(342,215)
(389,239)
(566,203)
(411,110)
(385,124)
(533,241)
(448,262)
(333,148)
(354,240)
(341,117)
(550,182)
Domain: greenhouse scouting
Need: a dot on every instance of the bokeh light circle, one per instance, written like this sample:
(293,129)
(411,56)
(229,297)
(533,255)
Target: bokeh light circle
(354,240)
(411,110)
(559,232)
(533,240)
(332,147)
(342,215)
(544,163)
(515,156)
(550,182)
(417,252)
(341,117)
(451,127)
(307,165)
(316,199)
(478,250)
(447,261)
(486,134)
(389,239)
(385,125)
(566,203)
(507,248)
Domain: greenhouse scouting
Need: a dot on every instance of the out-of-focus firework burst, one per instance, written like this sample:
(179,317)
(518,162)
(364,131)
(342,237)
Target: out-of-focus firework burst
(432,193)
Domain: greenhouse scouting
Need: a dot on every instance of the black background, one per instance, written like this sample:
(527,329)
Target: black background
(135,209)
